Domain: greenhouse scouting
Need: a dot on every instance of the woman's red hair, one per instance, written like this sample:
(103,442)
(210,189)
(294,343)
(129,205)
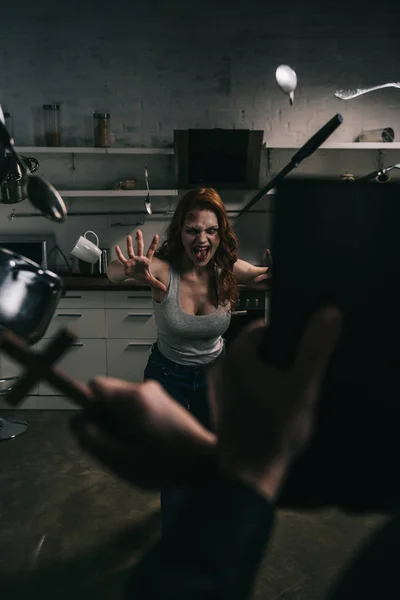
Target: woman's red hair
(225,257)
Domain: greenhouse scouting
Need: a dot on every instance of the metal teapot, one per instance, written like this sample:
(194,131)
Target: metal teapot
(13,187)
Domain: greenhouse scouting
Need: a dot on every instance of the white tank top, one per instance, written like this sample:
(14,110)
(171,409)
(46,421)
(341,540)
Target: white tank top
(188,339)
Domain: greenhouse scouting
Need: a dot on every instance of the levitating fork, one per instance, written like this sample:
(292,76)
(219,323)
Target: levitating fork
(349,94)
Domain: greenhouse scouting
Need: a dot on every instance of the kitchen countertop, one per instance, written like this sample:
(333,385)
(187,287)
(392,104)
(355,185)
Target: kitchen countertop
(98,282)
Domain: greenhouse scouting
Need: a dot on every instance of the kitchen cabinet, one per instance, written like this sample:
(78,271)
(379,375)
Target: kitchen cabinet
(85,322)
(128,299)
(9,373)
(85,359)
(127,358)
(130,332)
(82,299)
(115,331)
(137,323)
(47,403)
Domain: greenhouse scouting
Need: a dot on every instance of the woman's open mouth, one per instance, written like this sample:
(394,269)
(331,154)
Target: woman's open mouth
(201,253)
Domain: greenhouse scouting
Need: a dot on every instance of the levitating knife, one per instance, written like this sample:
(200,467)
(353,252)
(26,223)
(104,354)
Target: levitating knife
(349,94)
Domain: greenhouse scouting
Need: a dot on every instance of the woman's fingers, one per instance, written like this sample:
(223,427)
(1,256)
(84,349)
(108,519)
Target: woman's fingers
(152,248)
(139,243)
(129,247)
(261,277)
(120,255)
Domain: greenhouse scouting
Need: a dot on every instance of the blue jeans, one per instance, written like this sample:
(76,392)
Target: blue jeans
(188,386)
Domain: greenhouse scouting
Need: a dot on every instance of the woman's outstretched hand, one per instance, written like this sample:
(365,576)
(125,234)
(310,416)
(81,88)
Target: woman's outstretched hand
(138,265)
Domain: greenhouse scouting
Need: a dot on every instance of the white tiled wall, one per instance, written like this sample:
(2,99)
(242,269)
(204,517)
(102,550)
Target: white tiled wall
(157,66)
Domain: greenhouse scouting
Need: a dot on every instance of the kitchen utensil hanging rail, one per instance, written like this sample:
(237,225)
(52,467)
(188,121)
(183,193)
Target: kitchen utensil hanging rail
(165,213)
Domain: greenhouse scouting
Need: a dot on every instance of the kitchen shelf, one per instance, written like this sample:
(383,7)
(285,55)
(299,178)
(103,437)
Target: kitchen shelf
(89,150)
(170,151)
(124,194)
(344,146)
(115,193)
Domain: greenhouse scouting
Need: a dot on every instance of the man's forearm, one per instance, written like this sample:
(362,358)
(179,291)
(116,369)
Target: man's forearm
(215,549)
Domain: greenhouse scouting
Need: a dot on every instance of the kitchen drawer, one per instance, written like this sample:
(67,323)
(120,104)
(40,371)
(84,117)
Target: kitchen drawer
(29,402)
(9,372)
(133,324)
(126,359)
(83,361)
(82,299)
(43,403)
(85,322)
(128,299)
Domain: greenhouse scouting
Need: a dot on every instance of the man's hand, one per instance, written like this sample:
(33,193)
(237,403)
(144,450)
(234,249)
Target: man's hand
(264,415)
(141,434)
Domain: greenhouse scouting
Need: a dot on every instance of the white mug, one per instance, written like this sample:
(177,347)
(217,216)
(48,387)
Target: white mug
(87,250)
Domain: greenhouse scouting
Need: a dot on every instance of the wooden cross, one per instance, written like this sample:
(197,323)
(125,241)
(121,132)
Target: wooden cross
(40,365)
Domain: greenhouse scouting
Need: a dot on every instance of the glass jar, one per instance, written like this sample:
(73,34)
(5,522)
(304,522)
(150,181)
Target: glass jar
(9,123)
(101,130)
(385,134)
(52,130)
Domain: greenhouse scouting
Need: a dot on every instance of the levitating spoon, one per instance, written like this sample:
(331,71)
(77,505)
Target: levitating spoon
(349,94)
(286,79)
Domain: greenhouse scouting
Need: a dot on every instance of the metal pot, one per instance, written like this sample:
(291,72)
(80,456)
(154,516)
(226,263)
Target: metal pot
(28,296)
(13,188)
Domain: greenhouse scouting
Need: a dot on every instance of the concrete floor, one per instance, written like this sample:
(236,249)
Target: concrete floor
(70,530)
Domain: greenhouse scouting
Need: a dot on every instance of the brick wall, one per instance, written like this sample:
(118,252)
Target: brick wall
(159,65)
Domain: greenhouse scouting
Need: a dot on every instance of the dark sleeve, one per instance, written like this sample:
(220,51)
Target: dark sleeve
(215,550)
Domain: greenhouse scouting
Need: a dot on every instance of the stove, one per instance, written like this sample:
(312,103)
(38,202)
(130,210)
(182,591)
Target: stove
(252,305)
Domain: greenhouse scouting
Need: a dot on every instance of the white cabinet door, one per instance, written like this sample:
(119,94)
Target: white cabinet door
(85,322)
(137,323)
(45,403)
(127,359)
(82,299)
(83,361)
(9,373)
(128,299)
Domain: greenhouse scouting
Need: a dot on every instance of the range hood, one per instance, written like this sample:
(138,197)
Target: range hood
(220,158)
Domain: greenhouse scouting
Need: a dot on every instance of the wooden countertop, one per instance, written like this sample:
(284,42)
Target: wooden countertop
(98,282)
